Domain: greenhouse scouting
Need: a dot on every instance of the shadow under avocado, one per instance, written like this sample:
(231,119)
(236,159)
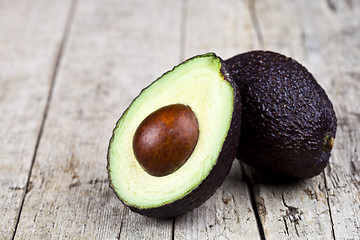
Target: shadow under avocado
(265,177)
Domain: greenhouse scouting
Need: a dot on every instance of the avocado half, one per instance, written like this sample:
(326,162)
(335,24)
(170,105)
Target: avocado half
(202,84)
(288,121)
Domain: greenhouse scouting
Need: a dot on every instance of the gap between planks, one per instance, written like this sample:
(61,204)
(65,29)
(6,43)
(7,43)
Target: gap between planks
(183,22)
(255,22)
(305,53)
(260,38)
(248,180)
(57,62)
(255,208)
(328,203)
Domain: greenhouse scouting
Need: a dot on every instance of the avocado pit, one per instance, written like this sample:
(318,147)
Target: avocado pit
(165,139)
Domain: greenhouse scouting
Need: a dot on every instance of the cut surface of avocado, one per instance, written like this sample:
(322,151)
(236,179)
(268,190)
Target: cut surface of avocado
(198,83)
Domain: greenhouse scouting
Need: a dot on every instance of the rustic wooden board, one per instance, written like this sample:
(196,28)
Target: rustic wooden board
(225,28)
(64,84)
(113,50)
(211,27)
(336,59)
(286,209)
(302,209)
(28,54)
(295,210)
(226,215)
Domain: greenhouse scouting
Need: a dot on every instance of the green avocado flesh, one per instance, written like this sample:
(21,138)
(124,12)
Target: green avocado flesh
(197,83)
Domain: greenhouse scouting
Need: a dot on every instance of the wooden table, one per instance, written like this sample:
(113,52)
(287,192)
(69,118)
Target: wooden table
(69,68)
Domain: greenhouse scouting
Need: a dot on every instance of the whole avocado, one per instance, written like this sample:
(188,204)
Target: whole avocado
(288,122)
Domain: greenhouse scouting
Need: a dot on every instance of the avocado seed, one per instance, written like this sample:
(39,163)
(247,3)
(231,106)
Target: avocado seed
(165,139)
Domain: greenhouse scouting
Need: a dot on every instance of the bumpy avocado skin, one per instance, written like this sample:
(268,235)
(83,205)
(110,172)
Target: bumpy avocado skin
(217,174)
(286,116)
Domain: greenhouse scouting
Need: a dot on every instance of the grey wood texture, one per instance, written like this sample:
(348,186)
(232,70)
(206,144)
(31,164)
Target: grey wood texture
(68,69)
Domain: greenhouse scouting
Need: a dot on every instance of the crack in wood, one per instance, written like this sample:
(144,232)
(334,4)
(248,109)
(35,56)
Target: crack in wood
(254,205)
(293,214)
(34,220)
(124,213)
(28,185)
(256,24)
(173,229)
(328,203)
(302,35)
(286,226)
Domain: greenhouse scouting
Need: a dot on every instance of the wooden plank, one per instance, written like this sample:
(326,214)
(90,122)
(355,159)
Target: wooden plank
(292,210)
(297,210)
(221,27)
(226,215)
(225,28)
(30,35)
(279,27)
(335,55)
(68,194)
(114,49)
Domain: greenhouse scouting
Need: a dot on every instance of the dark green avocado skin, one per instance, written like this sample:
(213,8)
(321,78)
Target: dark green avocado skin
(286,115)
(217,174)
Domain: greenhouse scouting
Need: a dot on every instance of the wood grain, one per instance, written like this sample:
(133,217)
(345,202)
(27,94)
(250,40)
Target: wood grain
(68,69)
(226,215)
(28,54)
(336,62)
(113,50)
(294,210)
(225,28)
(317,208)
(210,26)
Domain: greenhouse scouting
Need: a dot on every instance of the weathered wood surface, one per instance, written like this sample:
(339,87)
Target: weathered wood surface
(68,69)
(28,56)
(325,37)
(102,69)
(228,214)
(296,210)
(342,70)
